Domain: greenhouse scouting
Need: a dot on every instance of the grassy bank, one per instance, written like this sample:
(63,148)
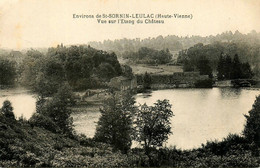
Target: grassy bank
(24,146)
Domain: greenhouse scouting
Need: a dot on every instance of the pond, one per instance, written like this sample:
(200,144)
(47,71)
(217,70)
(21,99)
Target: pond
(203,114)
(23,101)
(200,114)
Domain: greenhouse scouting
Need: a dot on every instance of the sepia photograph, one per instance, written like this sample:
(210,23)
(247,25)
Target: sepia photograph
(129,83)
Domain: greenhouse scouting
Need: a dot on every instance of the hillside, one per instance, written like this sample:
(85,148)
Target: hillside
(172,42)
(23,146)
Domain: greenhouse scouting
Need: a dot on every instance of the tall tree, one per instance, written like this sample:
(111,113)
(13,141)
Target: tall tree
(246,71)
(153,125)
(57,108)
(115,124)
(147,81)
(220,68)
(204,67)
(7,72)
(236,68)
(252,126)
(228,67)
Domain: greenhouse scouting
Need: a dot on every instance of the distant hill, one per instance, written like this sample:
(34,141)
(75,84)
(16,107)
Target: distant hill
(247,46)
(172,42)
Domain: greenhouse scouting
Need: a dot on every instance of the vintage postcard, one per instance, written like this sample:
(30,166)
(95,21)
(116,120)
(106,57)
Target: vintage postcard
(128,83)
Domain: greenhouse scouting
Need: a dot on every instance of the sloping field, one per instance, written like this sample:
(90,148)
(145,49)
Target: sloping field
(160,69)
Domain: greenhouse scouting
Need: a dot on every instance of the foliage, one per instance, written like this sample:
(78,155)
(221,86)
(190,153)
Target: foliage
(247,43)
(77,65)
(248,53)
(30,68)
(252,126)
(233,69)
(7,109)
(122,46)
(105,71)
(55,111)
(232,151)
(207,83)
(127,71)
(115,124)
(147,81)
(224,67)
(153,125)
(149,56)
(24,146)
(204,67)
(7,72)
(40,120)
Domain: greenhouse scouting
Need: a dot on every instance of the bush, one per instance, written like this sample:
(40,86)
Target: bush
(252,127)
(43,121)
(57,109)
(7,109)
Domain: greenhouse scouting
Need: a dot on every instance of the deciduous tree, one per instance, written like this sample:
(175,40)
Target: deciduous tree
(115,124)
(252,126)
(153,125)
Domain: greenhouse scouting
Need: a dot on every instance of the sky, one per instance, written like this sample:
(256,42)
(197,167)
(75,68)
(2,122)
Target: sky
(46,23)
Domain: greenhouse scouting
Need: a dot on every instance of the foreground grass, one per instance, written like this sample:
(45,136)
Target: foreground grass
(23,146)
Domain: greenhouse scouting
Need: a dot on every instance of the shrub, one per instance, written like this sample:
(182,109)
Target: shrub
(7,109)
(252,126)
(43,121)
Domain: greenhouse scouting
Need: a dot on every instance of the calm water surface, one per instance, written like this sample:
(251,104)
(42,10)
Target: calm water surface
(203,114)
(200,114)
(23,101)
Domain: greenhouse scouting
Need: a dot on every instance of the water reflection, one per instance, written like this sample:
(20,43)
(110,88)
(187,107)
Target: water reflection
(230,93)
(204,114)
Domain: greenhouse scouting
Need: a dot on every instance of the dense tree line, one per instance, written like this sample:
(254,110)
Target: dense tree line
(82,67)
(7,72)
(202,65)
(252,126)
(191,48)
(121,46)
(247,55)
(149,56)
(233,69)
(173,42)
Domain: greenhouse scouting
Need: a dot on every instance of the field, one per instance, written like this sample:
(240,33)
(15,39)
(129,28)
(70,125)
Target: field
(160,69)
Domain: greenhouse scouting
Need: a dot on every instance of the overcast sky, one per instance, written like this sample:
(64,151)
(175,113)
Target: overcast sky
(45,23)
